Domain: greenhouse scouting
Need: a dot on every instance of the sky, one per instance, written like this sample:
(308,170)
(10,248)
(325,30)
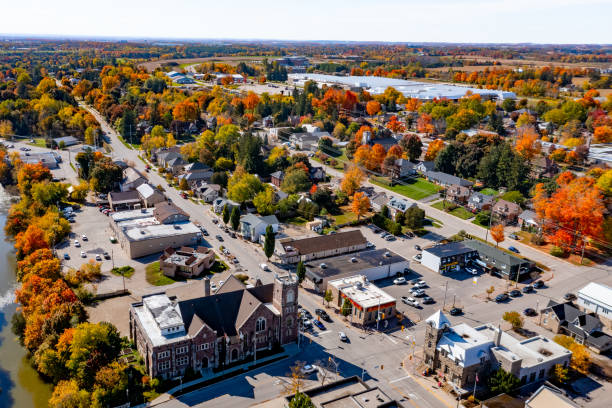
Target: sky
(482,21)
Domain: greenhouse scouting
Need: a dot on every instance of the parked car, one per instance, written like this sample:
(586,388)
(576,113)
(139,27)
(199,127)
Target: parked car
(113,240)
(323,315)
(569,296)
(77,243)
(343,337)
(513,249)
(318,323)
(410,301)
(98,257)
(417,258)
(538,284)
(456,311)
(473,271)
(515,293)
(418,248)
(264,267)
(233,234)
(309,369)
(417,292)
(204,232)
(514,236)
(83,254)
(414,281)
(84,237)
(409,234)
(219,238)
(306,323)
(420,284)
(184,195)
(502,297)
(528,289)
(427,300)
(306,314)
(106,255)
(529,312)
(390,238)
(399,281)
(369,245)
(66,256)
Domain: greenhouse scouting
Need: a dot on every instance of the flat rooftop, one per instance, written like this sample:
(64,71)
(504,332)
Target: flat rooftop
(354,262)
(140,225)
(362,292)
(450,249)
(157,312)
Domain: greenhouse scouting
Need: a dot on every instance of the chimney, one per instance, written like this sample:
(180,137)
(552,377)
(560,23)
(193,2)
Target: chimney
(206,287)
(498,333)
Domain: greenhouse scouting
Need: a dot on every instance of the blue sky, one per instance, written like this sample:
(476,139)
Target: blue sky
(537,21)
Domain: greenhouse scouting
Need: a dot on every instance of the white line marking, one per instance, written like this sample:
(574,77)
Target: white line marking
(392,341)
(325,332)
(399,379)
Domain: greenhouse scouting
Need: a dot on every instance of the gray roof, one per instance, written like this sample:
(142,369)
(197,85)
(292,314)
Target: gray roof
(447,179)
(343,264)
(528,215)
(145,190)
(130,175)
(68,140)
(428,165)
(494,253)
(450,249)
(118,197)
(479,199)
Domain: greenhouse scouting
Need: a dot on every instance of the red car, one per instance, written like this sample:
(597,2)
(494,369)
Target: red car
(184,195)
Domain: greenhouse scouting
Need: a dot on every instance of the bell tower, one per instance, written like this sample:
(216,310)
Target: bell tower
(285,300)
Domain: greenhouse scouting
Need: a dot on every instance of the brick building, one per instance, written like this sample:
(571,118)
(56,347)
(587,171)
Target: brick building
(214,330)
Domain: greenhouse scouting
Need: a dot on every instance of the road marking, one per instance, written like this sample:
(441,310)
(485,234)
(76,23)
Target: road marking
(399,379)
(325,332)
(389,337)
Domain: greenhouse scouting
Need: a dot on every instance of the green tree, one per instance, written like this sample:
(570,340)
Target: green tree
(235,218)
(269,242)
(105,175)
(296,180)
(414,217)
(412,145)
(249,153)
(503,382)
(347,307)
(514,197)
(300,271)
(243,186)
(128,125)
(265,201)
(329,296)
(183,184)
(226,214)
(300,400)
(49,193)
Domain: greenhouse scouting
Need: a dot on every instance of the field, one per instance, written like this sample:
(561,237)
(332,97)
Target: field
(416,189)
(152,65)
(457,212)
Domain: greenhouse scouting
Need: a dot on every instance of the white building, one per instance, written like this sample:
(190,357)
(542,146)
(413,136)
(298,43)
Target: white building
(369,302)
(597,298)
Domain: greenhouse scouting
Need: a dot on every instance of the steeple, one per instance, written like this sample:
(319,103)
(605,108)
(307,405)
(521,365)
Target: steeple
(438,320)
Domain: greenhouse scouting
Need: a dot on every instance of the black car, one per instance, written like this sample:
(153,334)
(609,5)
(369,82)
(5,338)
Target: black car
(455,311)
(538,284)
(502,298)
(427,300)
(569,296)
(219,237)
(204,232)
(418,248)
(323,315)
(515,293)
(528,289)
(529,312)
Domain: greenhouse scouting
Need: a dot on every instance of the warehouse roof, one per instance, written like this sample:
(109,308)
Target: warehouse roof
(450,249)
(326,242)
(352,263)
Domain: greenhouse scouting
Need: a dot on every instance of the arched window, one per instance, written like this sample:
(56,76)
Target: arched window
(260,325)
(290,296)
(234,355)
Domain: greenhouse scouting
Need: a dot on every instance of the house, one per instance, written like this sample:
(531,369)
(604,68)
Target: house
(548,396)
(479,202)
(369,302)
(401,168)
(498,262)
(307,141)
(425,166)
(528,219)
(161,156)
(213,330)
(186,262)
(567,319)
(506,211)
(65,141)
(195,166)
(597,298)
(386,142)
(502,401)
(207,192)
(543,167)
(147,231)
(458,194)
(193,177)
(317,174)
(399,204)
(175,164)
(447,257)
(293,250)
(378,201)
(118,200)
(219,203)
(252,226)
(149,195)
(131,179)
(446,180)
(277,178)
(461,352)
(373,264)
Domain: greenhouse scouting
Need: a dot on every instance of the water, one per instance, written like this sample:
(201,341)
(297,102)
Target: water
(21,387)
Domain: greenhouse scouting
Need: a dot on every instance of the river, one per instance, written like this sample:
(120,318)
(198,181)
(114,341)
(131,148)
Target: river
(21,387)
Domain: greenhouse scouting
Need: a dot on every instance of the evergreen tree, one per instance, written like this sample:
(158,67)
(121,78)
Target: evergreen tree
(226,214)
(503,382)
(300,400)
(269,242)
(300,271)
(128,125)
(235,218)
(347,307)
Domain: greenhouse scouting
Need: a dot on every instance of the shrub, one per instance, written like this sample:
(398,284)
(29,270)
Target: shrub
(557,251)
(242,277)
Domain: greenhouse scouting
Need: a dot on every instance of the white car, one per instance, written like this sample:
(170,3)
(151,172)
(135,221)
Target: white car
(98,257)
(417,258)
(369,245)
(309,369)
(83,254)
(473,271)
(342,336)
(399,281)
(417,292)
(264,267)
(213,286)
(420,285)
(84,237)
(410,301)
(76,243)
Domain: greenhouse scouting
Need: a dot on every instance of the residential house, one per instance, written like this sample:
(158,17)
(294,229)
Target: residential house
(162,155)
(167,213)
(446,180)
(293,250)
(196,166)
(213,330)
(458,194)
(378,201)
(399,204)
(175,165)
(317,174)
(506,211)
(196,176)
(425,167)
(528,219)
(597,298)
(219,203)
(461,352)
(479,202)
(277,178)
(149,195)
(386,142)
(65,141)
(121,200)
(401,168)
(567,319)
(131,179)
(253,227)
(307,141)
(186,262)
(207,192)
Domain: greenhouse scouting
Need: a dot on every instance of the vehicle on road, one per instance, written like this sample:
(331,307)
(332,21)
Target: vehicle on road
(538,284)
(264,267)
(106,255)
(318,323)
(410,301)
(204,232)
(235,260)
(456,311)
(390,238)
(309,369)
(66,256)
(232,234)
(323,315)
(77,243)
(514,236)
(569,296)
(414,281)
(219,238)
(98,257)
(427,300)
(515,293)
(528,289)
(184,195)
(418,248)
(113,240)
(417,258)
(513,249)
(215,221)
(399,281)
(502,297)
(369,244)
(420,284)
(417,292)
(343,337)
(529,312)
(83,254)
(84,237)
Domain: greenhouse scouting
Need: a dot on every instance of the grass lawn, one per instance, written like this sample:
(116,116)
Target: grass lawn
(297,220)
(39,141)
(489,191)
(457,212)
(126,271)
(218,267)
(479,224)
(416,189)
(346,216)
(155,276)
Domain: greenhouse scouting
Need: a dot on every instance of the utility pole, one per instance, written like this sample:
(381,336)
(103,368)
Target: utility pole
(445,289)
(490,219)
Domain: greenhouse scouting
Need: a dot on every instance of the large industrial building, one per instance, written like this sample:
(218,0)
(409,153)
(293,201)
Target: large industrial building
(410,89)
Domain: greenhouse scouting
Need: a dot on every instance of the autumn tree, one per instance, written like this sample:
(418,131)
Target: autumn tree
(186,111)
(433,149)
(581,359)
(30,240)
(373,107)
(497,233)
(352,180)
(527,142)
(514,318)
(378,154)
(360,204)
(601,134)
(395,125)
(425,125)
(363,157)
(6,129)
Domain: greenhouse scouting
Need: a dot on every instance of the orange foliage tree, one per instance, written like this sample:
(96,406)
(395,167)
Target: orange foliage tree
(360,132)
(424,124)
(363,157)
(373,107)
(186,111)
(378,154)
(433,149)
(360,204)
(29,241)
(527,142)
(497,233)
(352,180)
(602,134)
(413,104)
(395,125)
